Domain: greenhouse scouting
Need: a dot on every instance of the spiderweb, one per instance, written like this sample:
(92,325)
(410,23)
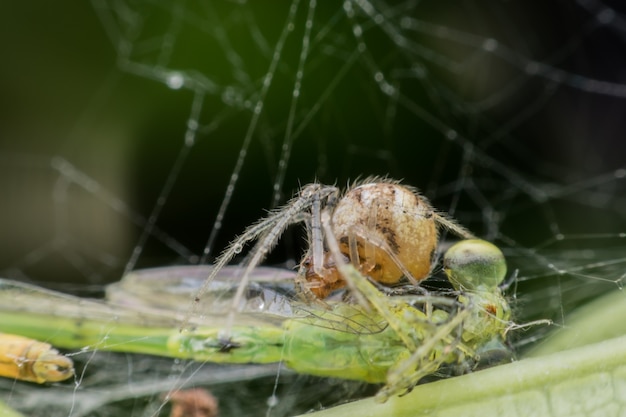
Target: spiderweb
(145,133)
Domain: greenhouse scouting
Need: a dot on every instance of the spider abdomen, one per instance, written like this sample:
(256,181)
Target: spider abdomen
(386,221)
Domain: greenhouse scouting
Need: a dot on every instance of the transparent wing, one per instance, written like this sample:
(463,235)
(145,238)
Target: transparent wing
(270,290)
(159,298)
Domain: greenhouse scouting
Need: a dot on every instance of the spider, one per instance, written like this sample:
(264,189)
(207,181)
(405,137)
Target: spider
(386,230)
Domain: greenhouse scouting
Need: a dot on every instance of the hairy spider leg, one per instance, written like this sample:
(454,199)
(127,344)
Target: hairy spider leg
(373,241)
(311,195)
(315,251)
(317,237)
(452,225)
(270,228)
(333,247)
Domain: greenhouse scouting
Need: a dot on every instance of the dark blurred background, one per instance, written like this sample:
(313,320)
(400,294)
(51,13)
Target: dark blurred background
(509,113)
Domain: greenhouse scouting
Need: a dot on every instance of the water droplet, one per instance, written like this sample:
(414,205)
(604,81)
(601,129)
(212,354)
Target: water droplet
(175,80)
(272,401)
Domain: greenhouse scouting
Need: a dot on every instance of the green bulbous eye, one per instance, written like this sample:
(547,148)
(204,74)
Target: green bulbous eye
(474,264)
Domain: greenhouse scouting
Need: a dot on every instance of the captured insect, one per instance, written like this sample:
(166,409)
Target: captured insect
(476,268)
(388,231)
(27,359)
(391,340)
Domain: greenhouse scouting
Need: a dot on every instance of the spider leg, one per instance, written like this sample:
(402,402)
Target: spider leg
(270,228)
(269,239)
(303,286)
(315,278)
(450,224)
(374,241)
(316,237)
(355,259)
(235,247)
(443,219)
(341,264)
(284,217)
